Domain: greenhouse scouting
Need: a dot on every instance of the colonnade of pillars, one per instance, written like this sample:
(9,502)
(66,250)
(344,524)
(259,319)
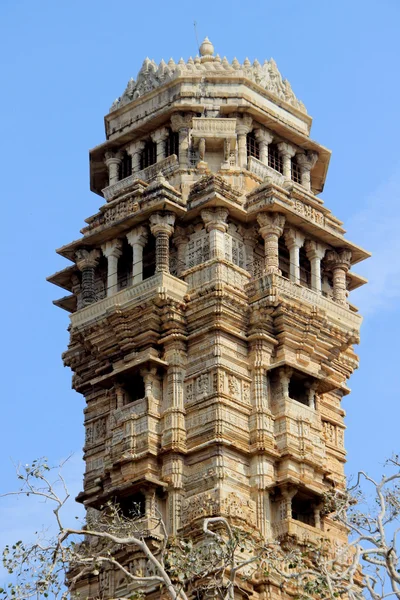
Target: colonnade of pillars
(305,160)
(272,227)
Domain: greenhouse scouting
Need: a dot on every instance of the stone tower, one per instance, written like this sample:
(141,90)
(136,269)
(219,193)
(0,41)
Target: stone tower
(211,331)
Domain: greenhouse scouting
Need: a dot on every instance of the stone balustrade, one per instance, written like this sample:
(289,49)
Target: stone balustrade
(203,127)
(275,286)
(166,166)
(301,531)
(262,170)
(161,283)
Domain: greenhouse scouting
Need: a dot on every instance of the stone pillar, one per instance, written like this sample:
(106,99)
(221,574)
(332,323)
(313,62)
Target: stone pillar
(271,228)
(149,377)
(294,241)
(182,124)
(339,263)
(162,227)
(264,138)
(119,392)
(135,151)
(288,494)
(312,388)
(112,161)
(137,238)
(180,240)
(306,161)
(250,240)
(285,374)
(215,223)
(287,152)
(315,253)
(243,127)
(87,261)
(112,251)
(159,136)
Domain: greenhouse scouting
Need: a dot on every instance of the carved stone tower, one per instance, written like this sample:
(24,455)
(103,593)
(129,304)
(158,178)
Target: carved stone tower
(211,330)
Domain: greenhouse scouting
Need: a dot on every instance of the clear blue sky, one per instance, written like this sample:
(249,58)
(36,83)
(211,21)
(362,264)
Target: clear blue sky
(63,62)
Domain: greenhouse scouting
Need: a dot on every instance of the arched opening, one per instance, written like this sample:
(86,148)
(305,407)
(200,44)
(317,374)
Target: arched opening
(125,166)
(274,158)
(305,268)
(172,144)
(253,148)
(149,154)
(284,258)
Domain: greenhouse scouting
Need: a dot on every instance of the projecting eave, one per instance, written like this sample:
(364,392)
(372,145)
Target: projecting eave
(63,278)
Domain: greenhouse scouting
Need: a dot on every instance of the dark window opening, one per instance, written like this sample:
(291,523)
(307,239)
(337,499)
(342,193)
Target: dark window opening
(133,506)
(253,148)
(149,258)
(172,144)
(305,268)
(149,155)
(125,266)
(303,510)
(296,173)
(298,389)
(284,258)
(274,158)
(133,386)
(125,166)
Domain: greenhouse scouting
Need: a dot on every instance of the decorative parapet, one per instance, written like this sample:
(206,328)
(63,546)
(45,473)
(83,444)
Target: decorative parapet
(159,284)
(275,286)
(302,531)
(166,166)
(214,128)
(262,170)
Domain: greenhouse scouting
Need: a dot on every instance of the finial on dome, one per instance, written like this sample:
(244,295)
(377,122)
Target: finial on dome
(206,48)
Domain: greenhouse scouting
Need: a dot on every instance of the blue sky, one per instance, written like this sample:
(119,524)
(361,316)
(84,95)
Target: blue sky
(62,63)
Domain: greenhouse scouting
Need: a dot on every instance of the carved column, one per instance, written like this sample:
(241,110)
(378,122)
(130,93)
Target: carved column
(87,261)
(162,227)
(294,241)
(215,223)
(112,161)
(243,127)
(182,124)
(119,393)
(112,251)
(311,388)
(315,253)
(149,379)
(180,240)
(137,238)
(288,494)
(159,138)
(271,228)
(287,151)
(250,240)
(135,151)
(306,161)
(285,374)
(264,138)
(339,263)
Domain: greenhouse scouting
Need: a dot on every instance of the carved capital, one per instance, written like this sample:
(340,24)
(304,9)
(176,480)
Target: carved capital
(179,121)
(87,258)
(263,136)
(162,222)
(307,160)
(112,248)
(112,158)
(244,125)
(286,149)
(338,260)
(314,249)
(160,135)
(215,219)
(271,223)
(293,238)
(137,236)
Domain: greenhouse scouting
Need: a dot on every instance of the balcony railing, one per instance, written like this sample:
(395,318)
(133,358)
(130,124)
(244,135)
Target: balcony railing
(262,170)
(277,286)
(302,531)
(166,166)
(214,128)
(161,283)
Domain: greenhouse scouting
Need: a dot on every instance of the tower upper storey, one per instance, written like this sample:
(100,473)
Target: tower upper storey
(232,100)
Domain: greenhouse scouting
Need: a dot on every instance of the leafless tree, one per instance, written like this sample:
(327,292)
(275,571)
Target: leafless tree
(219,559)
